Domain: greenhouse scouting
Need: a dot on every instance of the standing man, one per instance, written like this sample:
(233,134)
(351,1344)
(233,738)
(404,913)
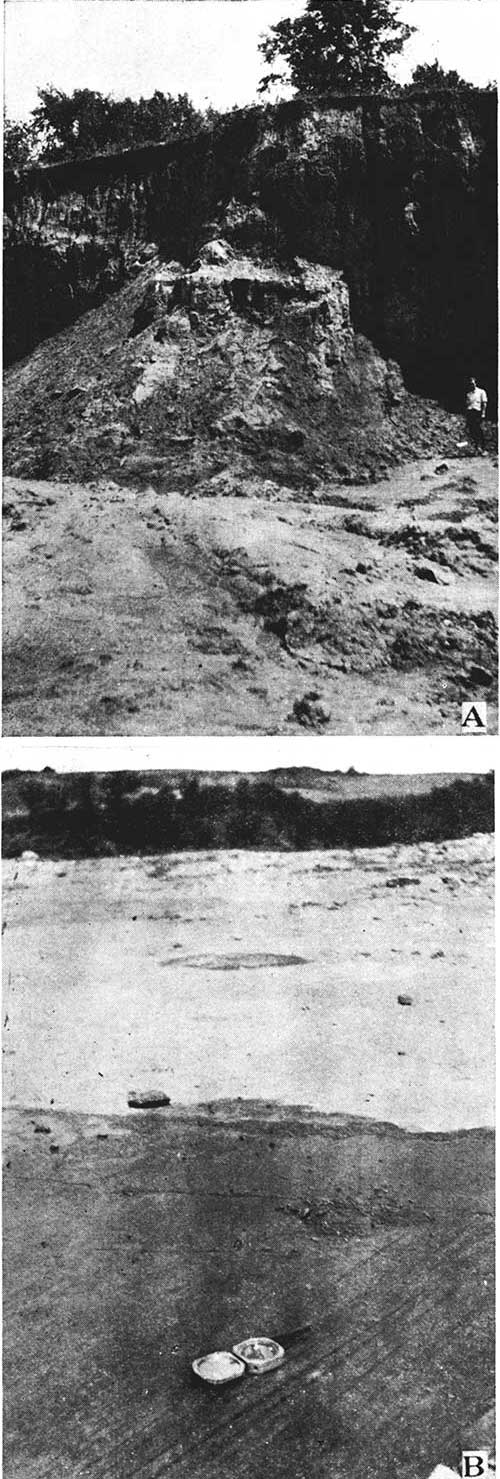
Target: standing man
(476,401)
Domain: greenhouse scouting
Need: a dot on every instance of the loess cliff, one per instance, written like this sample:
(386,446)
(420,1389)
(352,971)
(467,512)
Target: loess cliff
(239,496)
(399,195)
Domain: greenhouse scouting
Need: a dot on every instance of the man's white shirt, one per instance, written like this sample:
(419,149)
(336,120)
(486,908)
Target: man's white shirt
(477,399)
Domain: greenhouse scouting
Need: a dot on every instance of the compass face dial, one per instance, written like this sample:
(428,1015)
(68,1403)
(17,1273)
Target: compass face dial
(260,1353)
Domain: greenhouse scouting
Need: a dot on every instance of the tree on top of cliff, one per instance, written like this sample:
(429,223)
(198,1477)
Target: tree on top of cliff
(19,144)
(336,45)
(433,78)
(78,124)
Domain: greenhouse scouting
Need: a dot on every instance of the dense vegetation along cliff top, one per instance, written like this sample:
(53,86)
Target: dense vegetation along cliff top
(155,811)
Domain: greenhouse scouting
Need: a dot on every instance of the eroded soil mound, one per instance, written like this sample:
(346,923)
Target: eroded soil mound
(193,543)
(236,360)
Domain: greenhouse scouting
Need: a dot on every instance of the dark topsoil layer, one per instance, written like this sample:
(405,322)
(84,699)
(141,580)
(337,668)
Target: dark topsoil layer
(133,1245)
(131,811)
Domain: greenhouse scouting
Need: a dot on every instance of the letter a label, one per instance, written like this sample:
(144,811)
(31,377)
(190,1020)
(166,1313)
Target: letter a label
(474,720)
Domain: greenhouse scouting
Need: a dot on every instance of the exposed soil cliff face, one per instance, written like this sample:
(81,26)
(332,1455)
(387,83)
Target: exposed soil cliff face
(400,196)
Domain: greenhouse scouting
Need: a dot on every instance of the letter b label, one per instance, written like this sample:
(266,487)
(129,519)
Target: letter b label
(475,1465)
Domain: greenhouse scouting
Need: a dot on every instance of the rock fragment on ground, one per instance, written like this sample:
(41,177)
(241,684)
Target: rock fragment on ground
(147,1099)
(311,711)
(478,674)
(426,571)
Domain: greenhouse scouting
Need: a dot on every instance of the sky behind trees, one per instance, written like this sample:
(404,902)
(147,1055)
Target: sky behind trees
(207,48)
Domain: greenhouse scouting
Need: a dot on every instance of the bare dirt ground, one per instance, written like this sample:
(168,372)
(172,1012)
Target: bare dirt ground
(137,611)
(256,982)
(132,1247)
(265,975)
